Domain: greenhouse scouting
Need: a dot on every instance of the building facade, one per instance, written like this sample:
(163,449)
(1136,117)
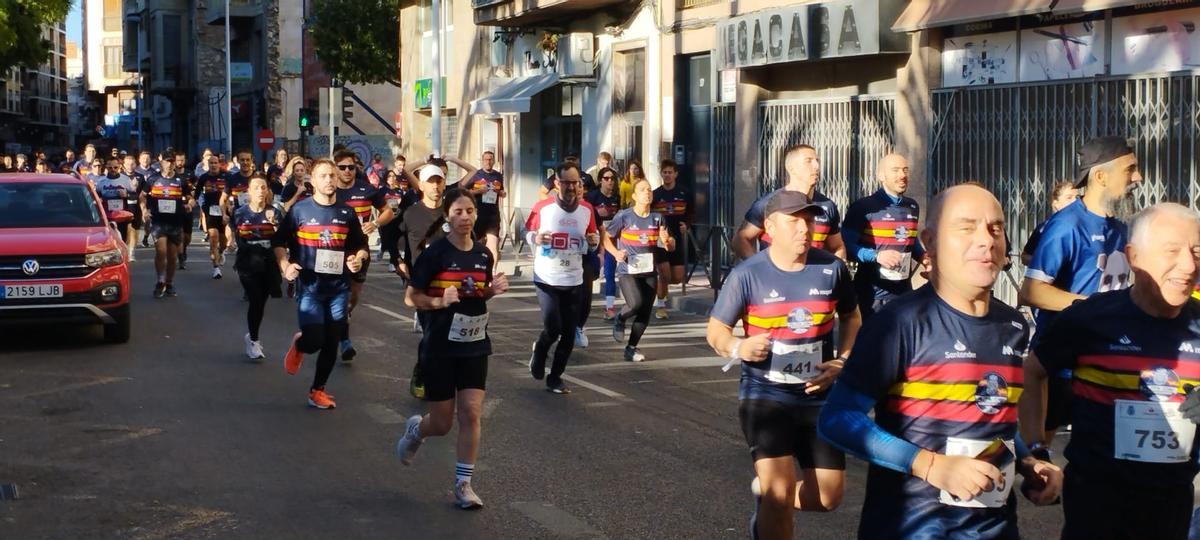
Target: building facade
(33,101)
(112,89)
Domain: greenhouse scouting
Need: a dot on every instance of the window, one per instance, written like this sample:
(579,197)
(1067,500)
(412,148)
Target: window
(47,205)
(630,87)
(425,23)
(112,15)
(171,47)
(112,62)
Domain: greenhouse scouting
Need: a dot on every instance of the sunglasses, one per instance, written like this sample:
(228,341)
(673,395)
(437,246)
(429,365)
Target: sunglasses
(346,167)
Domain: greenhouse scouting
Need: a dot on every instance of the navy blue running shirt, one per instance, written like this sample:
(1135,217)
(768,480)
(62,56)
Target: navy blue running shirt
(439,267)
(310,231)
(796,309)
(362,197)
(824,225)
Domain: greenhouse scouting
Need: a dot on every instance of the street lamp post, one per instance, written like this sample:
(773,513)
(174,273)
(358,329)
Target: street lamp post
(228,88)
(435,100)
(137,19)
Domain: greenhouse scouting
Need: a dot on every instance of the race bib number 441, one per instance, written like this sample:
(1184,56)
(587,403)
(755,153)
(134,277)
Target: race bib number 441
(794,364)
(1151,432)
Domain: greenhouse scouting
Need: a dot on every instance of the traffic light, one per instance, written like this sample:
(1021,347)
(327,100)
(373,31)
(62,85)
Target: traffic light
(308,119)
(347,104)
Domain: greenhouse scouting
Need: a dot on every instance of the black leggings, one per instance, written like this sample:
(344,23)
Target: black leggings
(323,338)
(389,240)
(258,286)
(559,321)
(638,292)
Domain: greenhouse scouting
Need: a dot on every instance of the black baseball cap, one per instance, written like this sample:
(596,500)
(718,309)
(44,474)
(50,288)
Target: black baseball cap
(1099,151)
(792,202)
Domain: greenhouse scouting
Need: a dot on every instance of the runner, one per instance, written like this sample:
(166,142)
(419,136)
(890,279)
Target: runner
(81,167)
(607,203)
(256,223)
(167,201)
(562,229)
(673,203)
(399,198)
(633,173)
(321,244)
(452,282)
(1134,354)
(278,169)
(236,183)
(638,234)
(421,225)
(115,189)
(297,187)
(487,185)
(361,197)
(785,297)
(1061,195)
(803,169)
(941,368)
(189,222)
(1081,252)
(214,204)
(880,232)
(128,168)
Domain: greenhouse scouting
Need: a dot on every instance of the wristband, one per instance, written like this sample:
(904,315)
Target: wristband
(733,355)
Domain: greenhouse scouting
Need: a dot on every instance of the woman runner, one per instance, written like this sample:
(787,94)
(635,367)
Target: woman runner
(452,281)
(255,224)
(637,231)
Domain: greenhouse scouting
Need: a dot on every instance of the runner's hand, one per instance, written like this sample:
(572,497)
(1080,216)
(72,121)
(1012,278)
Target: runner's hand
(1042,480)
(1191,404)
(620,255)
(499,283)
(369,227)
(291,272)
(402,271)
(354,263)
(963,477)
(449,296)
(829,371)
(670,243)
(888,258)
(543,238)
(593,240)
(755,349)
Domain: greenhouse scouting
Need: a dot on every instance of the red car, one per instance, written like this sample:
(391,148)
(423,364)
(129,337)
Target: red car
(61,260)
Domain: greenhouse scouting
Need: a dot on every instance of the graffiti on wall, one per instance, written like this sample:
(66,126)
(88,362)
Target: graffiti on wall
(981,59)
(1065,51)
(1156,42)
(365,146)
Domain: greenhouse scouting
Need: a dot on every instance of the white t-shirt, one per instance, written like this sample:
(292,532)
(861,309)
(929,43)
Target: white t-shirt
(560,263)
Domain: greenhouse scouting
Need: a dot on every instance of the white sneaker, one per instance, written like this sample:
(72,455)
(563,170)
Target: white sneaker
(216,272)
(391,268)
(253,348)
(132,258)
(466,497)
(221,260)
(408,444)
(581,339)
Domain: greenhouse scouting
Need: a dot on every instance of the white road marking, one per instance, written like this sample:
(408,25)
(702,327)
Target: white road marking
(389,313)
(716,381)
(594,387)
(382,414)
(560,523)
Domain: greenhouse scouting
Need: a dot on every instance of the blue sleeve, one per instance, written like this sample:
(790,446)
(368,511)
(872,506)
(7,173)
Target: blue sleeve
(615,225)
(847,301)
(754,215)
(835,221)
(851,230)
(731,302)
(1053,252)
(845,424)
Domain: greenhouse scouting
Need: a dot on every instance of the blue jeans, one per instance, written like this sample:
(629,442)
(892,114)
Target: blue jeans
(322,305)
(610,275)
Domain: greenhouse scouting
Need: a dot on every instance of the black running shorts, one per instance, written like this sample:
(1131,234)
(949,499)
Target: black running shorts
(444,377)
(775,429)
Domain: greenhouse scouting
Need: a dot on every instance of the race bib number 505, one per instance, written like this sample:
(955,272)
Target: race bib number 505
(329,262)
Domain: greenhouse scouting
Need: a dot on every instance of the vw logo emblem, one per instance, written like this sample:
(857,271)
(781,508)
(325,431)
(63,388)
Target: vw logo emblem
(30,267)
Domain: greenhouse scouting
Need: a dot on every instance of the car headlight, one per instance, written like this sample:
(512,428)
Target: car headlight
(101,259)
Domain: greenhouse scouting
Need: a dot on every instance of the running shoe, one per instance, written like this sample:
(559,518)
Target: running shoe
(216,272)
(293,358)
(537,369)
(557,388)
(183,260)
(170,291)
(160,290)
(632,354)
(416,325)
(221,259)
(319,399)
(619,330)
(132,258)
(610,313)
(660,313)
(391,268)
(410,442)
(581,339)
(253,349)
(348,351)
(465,497)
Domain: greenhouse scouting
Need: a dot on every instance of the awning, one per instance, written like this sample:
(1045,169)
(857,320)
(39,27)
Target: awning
(1071,7)
(513,96)
(922,14)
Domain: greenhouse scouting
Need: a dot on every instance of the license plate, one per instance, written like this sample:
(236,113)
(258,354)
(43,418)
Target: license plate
(47,290)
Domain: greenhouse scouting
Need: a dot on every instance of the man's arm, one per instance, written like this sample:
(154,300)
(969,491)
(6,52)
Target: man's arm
(744,238)
(1031,409)
(1039,294)
(835,245)
(468,169)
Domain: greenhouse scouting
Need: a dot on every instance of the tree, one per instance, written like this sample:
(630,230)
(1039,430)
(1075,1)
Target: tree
(21,42)
(358,41)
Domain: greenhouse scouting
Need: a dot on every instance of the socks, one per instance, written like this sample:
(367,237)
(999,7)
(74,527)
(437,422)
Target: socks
(162,278)
(660,302)
(609,301)
(463,471)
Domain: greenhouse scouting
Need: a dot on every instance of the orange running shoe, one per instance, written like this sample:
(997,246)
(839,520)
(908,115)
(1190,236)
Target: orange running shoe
(293,358)
(319,399)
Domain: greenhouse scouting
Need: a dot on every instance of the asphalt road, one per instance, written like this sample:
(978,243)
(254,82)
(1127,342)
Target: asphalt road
(177,435)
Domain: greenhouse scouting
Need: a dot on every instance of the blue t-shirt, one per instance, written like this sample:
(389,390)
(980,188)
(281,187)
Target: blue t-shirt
(672,205)
(638,236)
(795,308)
(310,229)
(254,232)
(824,226)
(879,222)
(1081,253)
(934,373)
(606,207)
(362,197)
(1117,352)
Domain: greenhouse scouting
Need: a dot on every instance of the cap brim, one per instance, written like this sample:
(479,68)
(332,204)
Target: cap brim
(1082,177)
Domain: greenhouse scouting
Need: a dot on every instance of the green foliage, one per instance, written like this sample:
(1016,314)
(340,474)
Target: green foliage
(357,41)
(21,42)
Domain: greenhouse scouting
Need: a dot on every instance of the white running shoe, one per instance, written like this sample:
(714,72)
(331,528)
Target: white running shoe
(132,258)
(253,349)
(216,272)
(391,268)
(221,259)
(465,497)
(581,339)
(408,445)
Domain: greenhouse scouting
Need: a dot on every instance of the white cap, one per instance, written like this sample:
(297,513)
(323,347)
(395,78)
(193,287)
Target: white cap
(427,172)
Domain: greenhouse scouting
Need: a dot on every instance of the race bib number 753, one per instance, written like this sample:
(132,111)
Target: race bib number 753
(1151,432)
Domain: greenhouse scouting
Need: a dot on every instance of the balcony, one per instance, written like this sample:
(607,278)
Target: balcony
(533,12)
(215,14)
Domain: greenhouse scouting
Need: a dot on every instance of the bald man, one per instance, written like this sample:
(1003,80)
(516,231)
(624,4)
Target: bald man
(880,232)
(942,369)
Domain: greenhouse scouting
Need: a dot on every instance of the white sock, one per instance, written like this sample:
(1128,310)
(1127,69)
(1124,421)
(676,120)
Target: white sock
(463,471)
(660,302)
(162,278)
(609,301)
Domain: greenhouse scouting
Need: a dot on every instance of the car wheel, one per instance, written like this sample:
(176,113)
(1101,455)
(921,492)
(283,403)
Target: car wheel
(118,332)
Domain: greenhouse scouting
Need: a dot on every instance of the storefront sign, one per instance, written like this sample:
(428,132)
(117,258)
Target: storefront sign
(830,29)
(241,72)
(423,93)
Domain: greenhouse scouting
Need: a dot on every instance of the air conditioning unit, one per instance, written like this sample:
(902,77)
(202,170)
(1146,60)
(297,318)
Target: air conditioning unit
(577,55)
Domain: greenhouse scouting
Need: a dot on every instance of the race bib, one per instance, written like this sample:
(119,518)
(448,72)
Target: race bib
(330,262)
(998,495)
(468,329)
(167,206)
(1151,432)
(642,263)
(393,204)
(900,273)
(115,204)
(243,199)
(566,260)
(794,364)
(490,196)
(214,211)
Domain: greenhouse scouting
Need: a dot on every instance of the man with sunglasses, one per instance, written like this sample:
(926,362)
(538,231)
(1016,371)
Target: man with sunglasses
(607,203)
(362,197)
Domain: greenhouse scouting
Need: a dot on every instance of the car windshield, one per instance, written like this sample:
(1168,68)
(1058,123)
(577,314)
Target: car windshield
(47,205)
